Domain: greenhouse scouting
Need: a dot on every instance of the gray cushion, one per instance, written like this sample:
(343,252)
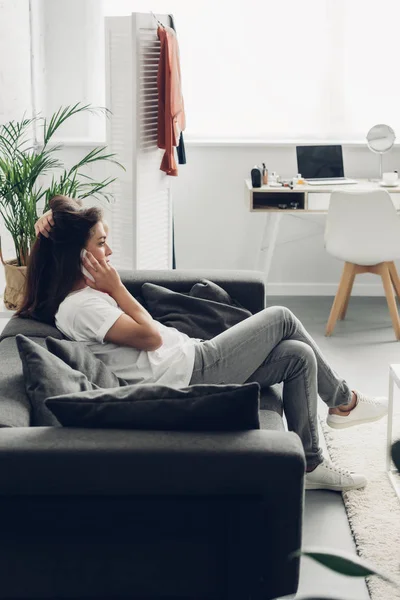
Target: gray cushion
(152,406)
(79,357)
(47,375)
(203,313)
(208,290)
(30,328)
(247,287)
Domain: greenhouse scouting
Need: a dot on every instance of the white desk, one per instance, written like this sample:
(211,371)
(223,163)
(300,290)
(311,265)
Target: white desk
(311,198)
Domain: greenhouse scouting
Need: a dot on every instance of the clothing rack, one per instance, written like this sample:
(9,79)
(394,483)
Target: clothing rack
(141,219)
(158,22)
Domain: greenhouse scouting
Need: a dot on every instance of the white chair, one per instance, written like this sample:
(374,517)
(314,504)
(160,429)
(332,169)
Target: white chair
(363,230)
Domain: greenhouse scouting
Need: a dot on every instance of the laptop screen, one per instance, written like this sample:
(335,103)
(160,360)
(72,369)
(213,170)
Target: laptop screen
(320,162)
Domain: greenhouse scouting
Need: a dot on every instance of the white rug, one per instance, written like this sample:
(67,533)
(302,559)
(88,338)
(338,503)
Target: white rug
(374,512)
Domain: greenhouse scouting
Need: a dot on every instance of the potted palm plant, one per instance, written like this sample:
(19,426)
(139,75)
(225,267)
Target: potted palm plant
(24,168)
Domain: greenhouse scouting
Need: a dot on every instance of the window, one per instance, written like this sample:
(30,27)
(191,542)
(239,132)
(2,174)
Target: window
(284,69)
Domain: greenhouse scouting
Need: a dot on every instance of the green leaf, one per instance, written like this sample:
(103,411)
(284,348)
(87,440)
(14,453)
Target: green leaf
(93,156)
(64,113)
(343,563)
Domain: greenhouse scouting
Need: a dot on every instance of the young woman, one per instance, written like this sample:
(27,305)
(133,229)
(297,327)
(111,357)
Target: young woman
(269,347)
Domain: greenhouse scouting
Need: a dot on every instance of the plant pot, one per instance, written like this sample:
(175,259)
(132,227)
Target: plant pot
(15,284)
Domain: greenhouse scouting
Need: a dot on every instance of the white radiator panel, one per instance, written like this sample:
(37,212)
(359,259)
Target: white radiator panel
(154,242)
(119,97)
(142,215)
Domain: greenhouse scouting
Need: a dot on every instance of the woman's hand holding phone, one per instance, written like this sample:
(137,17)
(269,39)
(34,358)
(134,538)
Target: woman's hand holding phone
(103,276)
(134,328)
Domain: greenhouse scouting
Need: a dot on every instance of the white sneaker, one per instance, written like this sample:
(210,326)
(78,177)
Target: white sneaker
(329,477)
(366,410)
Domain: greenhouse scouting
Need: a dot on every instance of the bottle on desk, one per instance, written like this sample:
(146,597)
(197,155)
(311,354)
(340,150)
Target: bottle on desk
(300,180)
(265,175)
(274,178)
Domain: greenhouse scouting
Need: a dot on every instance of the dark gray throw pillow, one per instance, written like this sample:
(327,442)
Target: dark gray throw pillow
(152,406)
(203,313)
(79,357)
(47,375)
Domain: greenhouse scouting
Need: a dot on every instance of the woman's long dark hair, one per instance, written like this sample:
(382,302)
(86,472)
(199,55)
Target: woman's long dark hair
(54,262)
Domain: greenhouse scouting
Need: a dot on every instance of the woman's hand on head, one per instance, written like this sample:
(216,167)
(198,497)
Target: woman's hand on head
(44,224)
(106,277)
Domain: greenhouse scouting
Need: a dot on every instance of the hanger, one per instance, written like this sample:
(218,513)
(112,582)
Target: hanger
(159,22)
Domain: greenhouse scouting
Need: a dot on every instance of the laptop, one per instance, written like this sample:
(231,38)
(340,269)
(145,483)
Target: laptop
(321,165)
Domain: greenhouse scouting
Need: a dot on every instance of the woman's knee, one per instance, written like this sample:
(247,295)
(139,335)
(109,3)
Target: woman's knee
(283,313)
(303,352)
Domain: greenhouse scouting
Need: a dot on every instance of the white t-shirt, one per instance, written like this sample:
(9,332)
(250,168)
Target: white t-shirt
(86,315)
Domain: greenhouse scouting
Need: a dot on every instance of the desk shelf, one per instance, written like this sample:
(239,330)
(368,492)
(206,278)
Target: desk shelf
(275,200)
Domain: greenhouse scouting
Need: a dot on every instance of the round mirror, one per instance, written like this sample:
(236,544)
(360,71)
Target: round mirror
(380,139)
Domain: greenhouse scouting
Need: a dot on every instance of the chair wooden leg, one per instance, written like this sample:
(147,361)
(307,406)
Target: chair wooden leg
(342,313)
(394,277)
(340,297)
(391,300)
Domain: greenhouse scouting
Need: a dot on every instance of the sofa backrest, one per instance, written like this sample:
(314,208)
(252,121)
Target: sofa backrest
(29,327)
(246,287)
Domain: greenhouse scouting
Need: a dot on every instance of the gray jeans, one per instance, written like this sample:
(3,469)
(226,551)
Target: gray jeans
(270,347)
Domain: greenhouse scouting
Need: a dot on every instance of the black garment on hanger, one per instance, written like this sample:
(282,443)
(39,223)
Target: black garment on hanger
(173,242)
(182,161)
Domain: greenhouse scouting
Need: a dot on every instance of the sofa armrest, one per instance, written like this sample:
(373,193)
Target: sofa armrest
(237,497)
(247,287)
(57,460)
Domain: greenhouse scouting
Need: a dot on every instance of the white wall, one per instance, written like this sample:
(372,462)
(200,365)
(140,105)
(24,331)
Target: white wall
(15,80)
(74,59)
(213,226)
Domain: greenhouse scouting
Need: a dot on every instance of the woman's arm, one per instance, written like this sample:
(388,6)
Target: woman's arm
(136,327)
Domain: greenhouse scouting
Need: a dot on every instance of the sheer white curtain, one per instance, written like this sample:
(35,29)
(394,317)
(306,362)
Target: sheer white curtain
(281,70)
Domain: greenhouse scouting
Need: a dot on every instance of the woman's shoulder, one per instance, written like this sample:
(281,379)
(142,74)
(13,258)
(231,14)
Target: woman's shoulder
(86,291)
(87,296)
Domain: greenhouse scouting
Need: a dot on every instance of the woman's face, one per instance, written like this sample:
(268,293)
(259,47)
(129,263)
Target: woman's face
(97,243)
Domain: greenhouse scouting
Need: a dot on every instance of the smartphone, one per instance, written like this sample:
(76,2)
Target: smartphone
(83,269)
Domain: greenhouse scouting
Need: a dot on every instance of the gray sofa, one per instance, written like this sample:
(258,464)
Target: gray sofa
(98,513)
